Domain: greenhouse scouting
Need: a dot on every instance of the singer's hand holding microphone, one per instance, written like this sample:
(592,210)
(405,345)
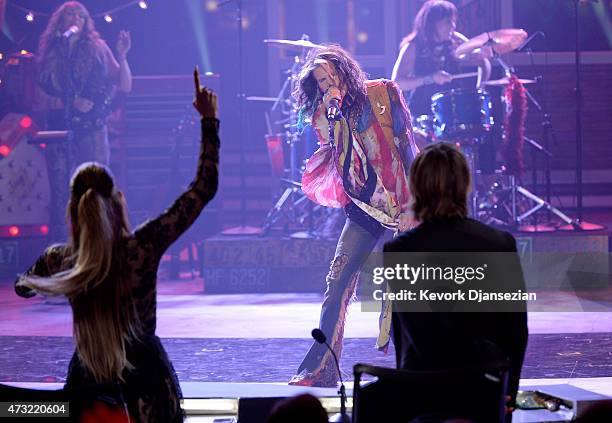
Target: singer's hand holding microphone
(333,101)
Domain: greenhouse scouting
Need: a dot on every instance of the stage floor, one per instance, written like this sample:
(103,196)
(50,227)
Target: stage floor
(262,337)
(226,347)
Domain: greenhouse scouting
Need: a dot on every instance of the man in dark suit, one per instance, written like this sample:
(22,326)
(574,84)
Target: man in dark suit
(440,183)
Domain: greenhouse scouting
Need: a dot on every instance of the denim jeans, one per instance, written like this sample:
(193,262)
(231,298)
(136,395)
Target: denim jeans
(354,246)
(62,159)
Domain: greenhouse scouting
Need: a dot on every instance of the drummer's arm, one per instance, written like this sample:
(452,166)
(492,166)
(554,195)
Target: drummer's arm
(403,69)
(485,72)
(484,65)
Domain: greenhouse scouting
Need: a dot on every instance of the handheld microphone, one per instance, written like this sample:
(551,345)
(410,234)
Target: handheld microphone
(320,337)
(71,31)
(333,109)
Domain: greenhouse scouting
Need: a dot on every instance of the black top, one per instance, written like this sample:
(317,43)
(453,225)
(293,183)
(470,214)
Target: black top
(442,340)
(68,73)
(429,59)
(151,388)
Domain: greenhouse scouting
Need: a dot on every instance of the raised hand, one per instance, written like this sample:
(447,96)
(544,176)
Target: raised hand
(205,100)
(124,44)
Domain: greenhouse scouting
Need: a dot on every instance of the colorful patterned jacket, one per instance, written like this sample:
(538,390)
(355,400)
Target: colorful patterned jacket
(371,158)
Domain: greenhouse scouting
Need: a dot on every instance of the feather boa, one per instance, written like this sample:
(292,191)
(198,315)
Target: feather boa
(514,126)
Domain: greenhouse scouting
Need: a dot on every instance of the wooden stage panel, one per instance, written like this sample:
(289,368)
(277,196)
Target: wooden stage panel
(233,265)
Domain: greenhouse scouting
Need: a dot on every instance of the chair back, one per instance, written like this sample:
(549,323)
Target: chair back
(475,393)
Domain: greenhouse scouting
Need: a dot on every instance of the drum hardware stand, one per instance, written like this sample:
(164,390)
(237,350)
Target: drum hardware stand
(548,132)
(292,197)
(571,224)
(471,155)
(517,190)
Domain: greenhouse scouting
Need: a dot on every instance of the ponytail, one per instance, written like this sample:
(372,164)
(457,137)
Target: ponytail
(103,308)
(92,251)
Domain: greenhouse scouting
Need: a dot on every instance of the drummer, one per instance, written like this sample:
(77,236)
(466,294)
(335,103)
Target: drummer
(427,61)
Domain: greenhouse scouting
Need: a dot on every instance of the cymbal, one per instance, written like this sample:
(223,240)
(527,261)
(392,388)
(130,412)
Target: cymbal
(257,98)
(536,228)
(505,81)
(501,41)
(582,226)
(292,43)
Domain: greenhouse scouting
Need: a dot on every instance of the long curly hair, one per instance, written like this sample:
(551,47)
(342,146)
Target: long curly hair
(105,320)
(88,48)
(432,12)
(306,90)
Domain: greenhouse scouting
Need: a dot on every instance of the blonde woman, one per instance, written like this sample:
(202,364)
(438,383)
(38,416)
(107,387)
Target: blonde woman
(77,67)
(108,273)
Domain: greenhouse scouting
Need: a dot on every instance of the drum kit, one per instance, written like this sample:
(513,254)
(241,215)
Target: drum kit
(461,116)
(465,117)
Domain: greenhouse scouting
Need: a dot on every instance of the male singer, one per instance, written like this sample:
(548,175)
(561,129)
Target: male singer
(364,170)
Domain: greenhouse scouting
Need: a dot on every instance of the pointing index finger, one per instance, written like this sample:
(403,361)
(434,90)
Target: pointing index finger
(196,79)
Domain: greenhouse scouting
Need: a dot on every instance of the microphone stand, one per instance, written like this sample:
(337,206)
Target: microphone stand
(580,224)
(242,229)
(579,139)
(342,417)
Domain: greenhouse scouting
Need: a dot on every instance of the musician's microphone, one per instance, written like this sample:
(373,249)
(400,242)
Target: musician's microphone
(528,40)
(71,31)
(320,337)
(333,109)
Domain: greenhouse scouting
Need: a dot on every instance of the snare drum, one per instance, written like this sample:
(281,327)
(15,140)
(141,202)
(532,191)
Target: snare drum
(461,113)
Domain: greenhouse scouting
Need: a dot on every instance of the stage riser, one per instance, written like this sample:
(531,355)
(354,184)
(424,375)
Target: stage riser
(237,265)
(17,254)
(254,265)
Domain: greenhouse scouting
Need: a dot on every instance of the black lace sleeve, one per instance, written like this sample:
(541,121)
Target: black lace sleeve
(156,235)
(49,263)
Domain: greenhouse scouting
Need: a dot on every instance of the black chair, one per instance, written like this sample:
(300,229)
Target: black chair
(475,393)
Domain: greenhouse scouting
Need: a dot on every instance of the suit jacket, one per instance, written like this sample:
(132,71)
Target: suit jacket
(439,340)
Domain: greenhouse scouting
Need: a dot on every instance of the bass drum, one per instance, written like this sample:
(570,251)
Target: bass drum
(461,113)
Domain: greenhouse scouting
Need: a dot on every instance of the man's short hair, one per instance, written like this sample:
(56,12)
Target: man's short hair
(440,183)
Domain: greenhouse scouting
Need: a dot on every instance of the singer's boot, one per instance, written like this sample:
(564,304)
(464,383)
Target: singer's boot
(326,378)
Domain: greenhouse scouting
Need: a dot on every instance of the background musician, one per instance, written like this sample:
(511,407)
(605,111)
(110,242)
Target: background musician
(427,60)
